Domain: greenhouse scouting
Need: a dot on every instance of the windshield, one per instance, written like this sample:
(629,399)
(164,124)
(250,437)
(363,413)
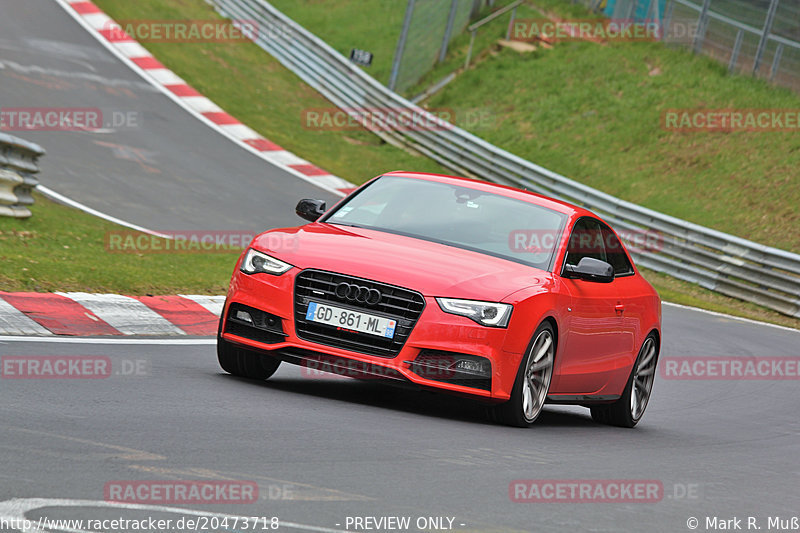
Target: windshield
(457,216)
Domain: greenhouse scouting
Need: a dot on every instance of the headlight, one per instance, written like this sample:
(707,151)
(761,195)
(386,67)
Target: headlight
(255,262)
(485,313)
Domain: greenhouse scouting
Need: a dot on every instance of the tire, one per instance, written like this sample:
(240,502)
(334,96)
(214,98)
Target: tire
(532,383)
(629,409)
(227,358)
(245,363)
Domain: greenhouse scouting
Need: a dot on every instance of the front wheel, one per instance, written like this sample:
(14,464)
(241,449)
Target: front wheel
(533,381)
(629,409)
(245,363)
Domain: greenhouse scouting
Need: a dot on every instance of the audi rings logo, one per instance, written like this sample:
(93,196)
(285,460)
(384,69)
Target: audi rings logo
(358,293)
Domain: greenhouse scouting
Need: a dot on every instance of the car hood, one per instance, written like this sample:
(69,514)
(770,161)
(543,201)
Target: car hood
(431,268)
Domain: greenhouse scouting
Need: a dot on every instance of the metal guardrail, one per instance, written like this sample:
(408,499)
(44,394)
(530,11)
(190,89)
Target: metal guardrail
(18,164)
(717,261)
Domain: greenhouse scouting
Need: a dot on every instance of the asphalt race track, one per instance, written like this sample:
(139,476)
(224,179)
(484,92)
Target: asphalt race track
(163,170)
(323,449)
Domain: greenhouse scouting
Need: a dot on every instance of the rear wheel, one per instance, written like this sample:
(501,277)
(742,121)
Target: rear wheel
(629,409)
(532,383)
(245,363)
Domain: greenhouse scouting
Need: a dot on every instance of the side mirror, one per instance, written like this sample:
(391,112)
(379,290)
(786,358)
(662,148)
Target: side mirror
(310,210)
(590,269)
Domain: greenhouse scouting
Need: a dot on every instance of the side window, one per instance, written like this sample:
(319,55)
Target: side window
(586,240)
(616,253)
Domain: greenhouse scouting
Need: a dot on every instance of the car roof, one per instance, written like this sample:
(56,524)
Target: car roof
(566,208)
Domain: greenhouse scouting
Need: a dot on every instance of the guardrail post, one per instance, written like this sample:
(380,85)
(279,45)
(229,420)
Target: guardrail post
(471,44)
(737,46)
(776,61)
(631,10)
(401,45)
(476,8)
(448,30)
(667,19)
(702,23)
(649,9)
(762,42)
(511,23)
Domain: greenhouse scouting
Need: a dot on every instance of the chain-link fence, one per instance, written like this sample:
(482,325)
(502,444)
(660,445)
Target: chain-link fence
(750,36)
(428,28)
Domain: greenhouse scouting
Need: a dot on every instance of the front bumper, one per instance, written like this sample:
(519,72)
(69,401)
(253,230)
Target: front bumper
(427,358)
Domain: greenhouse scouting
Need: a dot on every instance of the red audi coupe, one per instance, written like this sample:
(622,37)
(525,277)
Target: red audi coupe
(451,284)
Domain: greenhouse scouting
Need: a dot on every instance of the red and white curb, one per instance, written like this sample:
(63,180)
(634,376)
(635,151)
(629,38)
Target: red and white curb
(110,34)
(88,314)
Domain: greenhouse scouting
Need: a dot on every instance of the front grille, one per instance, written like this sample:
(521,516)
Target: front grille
(402,305)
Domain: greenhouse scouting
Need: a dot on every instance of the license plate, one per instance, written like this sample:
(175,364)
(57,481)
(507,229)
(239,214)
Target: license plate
(352,320)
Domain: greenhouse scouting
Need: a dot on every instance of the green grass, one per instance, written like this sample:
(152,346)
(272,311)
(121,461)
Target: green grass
(593,113)
(63,249)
